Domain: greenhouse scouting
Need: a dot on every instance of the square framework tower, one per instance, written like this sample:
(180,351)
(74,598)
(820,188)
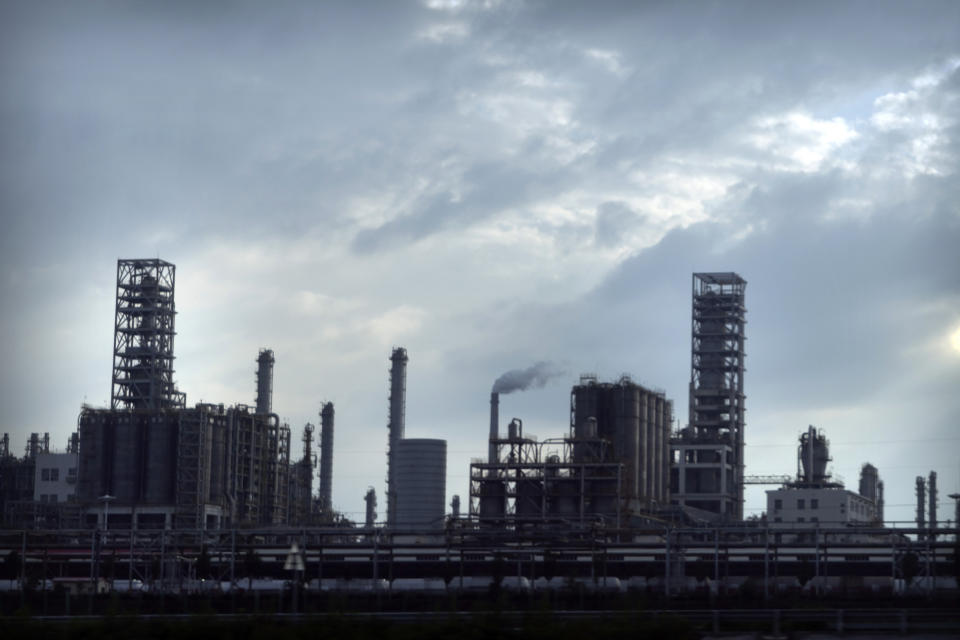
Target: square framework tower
(708,455)
(143,336)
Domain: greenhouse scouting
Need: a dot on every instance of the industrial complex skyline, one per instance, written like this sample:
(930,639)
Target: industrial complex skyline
(490,186)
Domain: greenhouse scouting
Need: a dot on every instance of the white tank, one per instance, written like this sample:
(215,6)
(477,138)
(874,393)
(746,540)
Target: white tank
(421,476)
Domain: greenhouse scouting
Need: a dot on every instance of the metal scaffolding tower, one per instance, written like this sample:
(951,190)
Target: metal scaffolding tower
(143,337)
(710,473)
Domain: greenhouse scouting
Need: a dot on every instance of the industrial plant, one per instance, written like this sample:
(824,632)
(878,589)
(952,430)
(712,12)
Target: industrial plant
(621,496)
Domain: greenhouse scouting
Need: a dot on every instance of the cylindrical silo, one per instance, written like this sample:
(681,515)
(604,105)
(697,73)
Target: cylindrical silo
(659,469)
(126,458)
(652,442)
(627,401)
(421,473)
(643,439)
(161,459)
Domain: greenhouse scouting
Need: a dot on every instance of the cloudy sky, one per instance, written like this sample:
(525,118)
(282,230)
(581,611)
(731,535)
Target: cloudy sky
(491,184)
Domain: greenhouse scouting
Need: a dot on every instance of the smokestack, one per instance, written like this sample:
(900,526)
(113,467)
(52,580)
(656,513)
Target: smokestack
(398,395)
(921,500)
(932,497)
(326,457)
(455,507)
(535,376)
(494,427)
(265,381)
(371,499)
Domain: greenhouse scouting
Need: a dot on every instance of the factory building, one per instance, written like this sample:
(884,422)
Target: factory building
(38,490)
(613,463)
(55,477)
(707,456)
(149,461)
(814,500)
(196,468)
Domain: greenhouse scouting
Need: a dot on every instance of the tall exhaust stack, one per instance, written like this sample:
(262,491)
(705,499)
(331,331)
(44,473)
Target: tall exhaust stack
(932,500)
(265,381)
(494,427)
(326,457)
(395,426)
(921,500)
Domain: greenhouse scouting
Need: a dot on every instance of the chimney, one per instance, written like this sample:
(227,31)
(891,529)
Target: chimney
(326,457)
(932,500)
(265,382)
(494,427)
(396,426)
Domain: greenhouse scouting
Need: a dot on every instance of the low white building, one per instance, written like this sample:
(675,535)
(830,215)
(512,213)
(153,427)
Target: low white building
(823,506)
(56,477)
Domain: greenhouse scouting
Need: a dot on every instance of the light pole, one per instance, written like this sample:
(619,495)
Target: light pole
(105,499)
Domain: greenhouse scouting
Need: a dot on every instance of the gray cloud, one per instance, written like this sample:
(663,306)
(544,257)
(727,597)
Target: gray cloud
(486,186)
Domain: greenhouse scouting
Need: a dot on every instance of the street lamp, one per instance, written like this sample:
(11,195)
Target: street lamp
(105,499)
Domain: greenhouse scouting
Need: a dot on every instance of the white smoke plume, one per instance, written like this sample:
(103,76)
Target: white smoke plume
(522,379)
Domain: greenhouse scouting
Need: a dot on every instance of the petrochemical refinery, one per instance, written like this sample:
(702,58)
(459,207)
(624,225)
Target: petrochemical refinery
(618,499)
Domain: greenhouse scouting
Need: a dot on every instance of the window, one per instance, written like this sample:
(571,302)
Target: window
(777,519)
(53,497)
(43,496)
(45,475)
(814,503)
(778,504)
(814,519)
(54,475)
(800,520)
(801,504)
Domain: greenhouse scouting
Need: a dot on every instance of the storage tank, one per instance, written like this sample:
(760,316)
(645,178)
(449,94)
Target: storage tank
(529,498)
(421,482)
(126,458)
(493,499)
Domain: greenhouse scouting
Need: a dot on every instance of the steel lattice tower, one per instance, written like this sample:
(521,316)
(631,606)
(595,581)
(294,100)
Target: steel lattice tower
(143,337)
(710,451)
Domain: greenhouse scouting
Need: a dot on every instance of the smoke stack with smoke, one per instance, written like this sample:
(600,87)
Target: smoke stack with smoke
(515,380)
(523,379)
